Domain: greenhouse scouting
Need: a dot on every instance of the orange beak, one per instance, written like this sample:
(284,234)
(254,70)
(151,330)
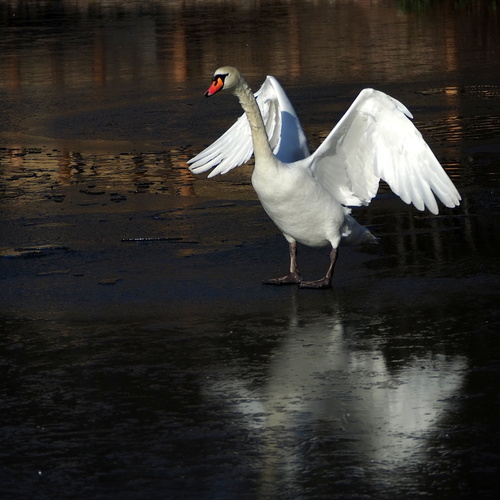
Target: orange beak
(217,84)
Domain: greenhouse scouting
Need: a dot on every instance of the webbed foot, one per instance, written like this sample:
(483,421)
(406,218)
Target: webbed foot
(323,283)
(289,279)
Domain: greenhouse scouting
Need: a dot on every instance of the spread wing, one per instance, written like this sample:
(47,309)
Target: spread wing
(376,140)
(234,147)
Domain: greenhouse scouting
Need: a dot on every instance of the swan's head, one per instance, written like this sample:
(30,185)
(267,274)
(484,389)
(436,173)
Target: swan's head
(226,77)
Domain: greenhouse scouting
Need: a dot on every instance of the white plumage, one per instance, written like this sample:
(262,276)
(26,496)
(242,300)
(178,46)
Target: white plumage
(305,194)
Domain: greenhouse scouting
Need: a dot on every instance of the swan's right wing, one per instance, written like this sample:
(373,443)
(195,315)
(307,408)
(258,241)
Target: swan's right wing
(234,147)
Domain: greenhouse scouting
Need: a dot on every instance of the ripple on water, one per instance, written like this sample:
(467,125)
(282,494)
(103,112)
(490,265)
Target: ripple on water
(30,172)
(458,129)
(483,91)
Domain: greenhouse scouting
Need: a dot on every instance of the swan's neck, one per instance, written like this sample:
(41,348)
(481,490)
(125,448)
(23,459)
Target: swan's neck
(261,148)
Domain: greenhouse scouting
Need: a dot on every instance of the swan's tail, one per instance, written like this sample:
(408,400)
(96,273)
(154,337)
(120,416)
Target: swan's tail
(353,233)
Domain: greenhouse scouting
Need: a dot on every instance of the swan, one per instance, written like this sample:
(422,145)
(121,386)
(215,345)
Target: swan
(307,195)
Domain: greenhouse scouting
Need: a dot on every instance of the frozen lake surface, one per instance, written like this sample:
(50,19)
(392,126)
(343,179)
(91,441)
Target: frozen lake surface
(140,356)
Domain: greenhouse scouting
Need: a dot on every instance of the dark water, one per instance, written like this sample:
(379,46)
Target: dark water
(139,355)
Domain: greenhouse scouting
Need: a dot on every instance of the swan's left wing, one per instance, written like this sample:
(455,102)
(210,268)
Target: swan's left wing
(376,140)
(234,147)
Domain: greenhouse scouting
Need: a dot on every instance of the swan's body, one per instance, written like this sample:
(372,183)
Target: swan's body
(306,194)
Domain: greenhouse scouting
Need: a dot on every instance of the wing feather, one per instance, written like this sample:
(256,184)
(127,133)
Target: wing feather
(234,147)
(376,140)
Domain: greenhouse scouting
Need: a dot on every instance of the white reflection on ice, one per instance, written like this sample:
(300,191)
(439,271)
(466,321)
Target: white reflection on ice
(321,388)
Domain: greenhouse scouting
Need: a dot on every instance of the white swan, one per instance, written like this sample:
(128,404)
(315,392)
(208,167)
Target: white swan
(306,195)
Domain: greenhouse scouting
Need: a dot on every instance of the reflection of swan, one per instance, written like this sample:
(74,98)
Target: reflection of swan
(305,194)
(323,401)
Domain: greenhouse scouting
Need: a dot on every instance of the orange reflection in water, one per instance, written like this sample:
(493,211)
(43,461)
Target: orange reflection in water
(32,174)
(172,42)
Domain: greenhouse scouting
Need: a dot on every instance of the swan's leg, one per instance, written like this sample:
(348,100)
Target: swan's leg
(325,282)
(294,276)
